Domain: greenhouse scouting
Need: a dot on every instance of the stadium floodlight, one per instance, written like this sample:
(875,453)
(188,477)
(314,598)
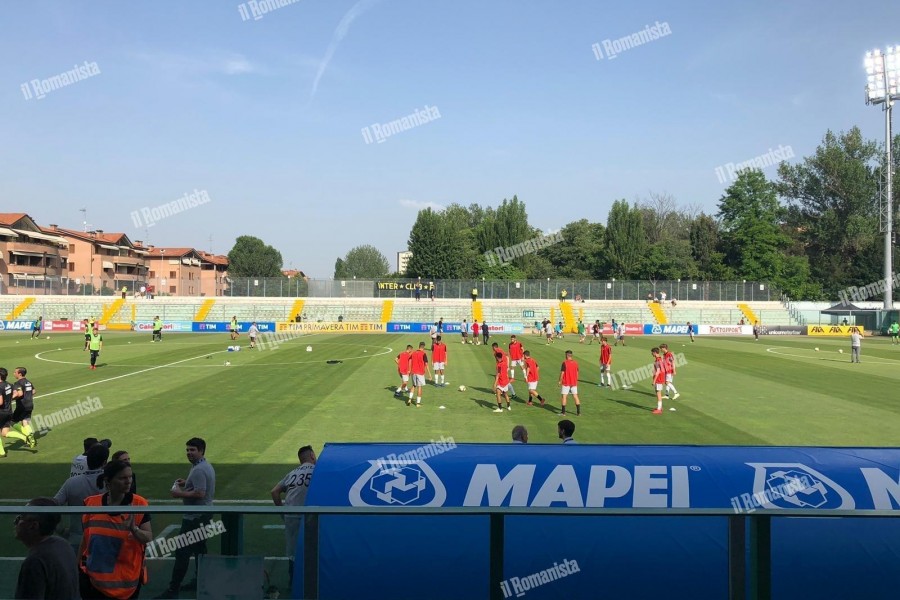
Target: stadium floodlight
(883,87)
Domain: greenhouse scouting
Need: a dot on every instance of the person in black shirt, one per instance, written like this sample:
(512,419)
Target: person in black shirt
(50,569)
(23,392)
(6,412)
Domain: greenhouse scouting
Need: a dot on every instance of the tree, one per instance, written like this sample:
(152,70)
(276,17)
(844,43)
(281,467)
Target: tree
(832,210)
(625,239)
(363,262)
(751,227)
(580,254)
(251,257)
(438,251)
(704,238)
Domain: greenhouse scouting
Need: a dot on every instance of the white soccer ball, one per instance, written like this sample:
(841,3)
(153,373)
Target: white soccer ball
(309,348)
(442,407)
(817,349)
(48,337)
(841,350)
(462,388)
(672,409)
(227,363)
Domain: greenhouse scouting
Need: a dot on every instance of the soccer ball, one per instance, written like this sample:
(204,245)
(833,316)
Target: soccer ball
(48,337)
(841,350)
(817,349)
(227,363)
(462,388)
(309,348)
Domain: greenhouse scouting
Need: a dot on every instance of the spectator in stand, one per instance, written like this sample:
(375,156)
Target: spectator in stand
(50,570)
(112,553)
(563,295)
(79,463)
(123,456)
(474,294)
(81,487)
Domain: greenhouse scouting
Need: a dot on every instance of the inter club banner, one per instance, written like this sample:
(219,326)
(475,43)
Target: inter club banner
(404,285)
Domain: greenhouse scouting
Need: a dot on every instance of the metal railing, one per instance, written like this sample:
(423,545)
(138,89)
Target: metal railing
(749,534)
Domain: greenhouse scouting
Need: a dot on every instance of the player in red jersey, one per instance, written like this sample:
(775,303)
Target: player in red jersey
(418,362)
(531,377)
(505,360)
(501,382)
(605,362)
(568,379)
(659,379)
(402,361)
(669,364)
(439,358)
(516,357)
(475,333)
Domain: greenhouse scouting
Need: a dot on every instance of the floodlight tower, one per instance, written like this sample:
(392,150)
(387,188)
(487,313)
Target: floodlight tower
(883,72)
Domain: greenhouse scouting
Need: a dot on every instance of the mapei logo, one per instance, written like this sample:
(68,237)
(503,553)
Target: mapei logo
(406,483)
(657,330)
(2,326)
(795,485)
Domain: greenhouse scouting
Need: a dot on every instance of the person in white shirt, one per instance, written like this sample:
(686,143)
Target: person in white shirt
(294,485)
(855,346)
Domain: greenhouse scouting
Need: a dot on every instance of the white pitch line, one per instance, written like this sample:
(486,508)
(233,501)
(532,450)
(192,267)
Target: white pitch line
(78,387)
(887,361)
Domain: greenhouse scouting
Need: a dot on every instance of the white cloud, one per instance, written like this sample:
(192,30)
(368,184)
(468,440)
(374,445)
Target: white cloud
(208,64)
(417,205)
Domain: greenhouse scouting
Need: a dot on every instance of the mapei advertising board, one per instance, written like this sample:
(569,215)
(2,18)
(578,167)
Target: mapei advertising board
(656,329)
(606,553)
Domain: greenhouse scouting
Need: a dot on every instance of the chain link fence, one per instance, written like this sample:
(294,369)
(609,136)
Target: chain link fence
(530,289)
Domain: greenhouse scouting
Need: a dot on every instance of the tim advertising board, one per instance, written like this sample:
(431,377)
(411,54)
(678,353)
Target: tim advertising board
(336,327)
(812,558)
(653,329)
(225,326)
(841,330)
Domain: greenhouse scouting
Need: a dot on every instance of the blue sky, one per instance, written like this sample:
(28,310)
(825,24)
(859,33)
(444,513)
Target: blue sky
(266,115)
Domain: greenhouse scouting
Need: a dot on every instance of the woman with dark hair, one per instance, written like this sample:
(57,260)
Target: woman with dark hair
(125,458)
(112,551)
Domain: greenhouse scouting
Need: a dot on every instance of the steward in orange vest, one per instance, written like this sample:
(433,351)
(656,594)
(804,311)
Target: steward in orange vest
(111,556)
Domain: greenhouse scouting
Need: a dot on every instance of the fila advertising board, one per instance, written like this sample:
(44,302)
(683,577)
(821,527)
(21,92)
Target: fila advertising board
(842,330)
(610,553)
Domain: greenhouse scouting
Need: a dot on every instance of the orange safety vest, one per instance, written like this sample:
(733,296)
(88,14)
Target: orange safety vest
(111,556)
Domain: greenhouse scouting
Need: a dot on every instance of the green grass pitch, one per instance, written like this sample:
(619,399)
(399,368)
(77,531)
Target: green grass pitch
(255,413)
